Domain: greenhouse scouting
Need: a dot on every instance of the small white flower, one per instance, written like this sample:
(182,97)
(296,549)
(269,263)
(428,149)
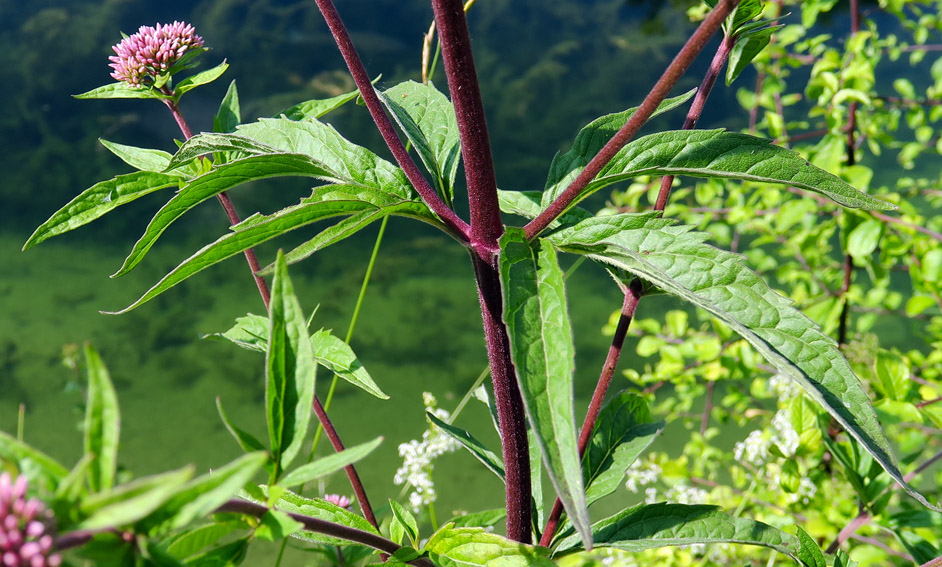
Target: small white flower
(640,475)
(753,450)
(650,495)
(785,435)
(784,387)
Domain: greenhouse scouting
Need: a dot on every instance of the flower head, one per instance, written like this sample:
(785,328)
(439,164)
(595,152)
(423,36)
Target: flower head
(338,500)
(23,538)
(152,51)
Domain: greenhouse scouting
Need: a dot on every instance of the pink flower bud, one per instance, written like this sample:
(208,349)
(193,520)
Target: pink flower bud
(152,51)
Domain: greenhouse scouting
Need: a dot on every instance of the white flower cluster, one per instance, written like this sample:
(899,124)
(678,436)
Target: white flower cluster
(784,387)
(417,457)
(686,494)
(640,475)
(785,435)
(754,449)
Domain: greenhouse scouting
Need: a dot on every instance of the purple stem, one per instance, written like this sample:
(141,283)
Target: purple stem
(486,229)
(458,227)
(850,146)
(658,93)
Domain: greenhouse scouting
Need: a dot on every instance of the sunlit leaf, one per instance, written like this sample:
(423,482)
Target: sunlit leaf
(487,457)
(102,423)
(328,465)
(474,547)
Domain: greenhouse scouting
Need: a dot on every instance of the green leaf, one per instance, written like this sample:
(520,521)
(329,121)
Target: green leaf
(144,159)
(260,228)
(660,525)
(484,519)
(249,332)
(487,457)
(229,114)
(201,78)
(592,138)
(527,205)
(102,423)
(729,155)
(201,496)
(328,465)
(406,522)
(622,432)
(209,185)
(808,551)
(128,503)
(427,118)
(100,199)
(318,107)
(679,262)
(15,451)
(323,510)
(544,358)
(122,90)
(277,525)
(864,238)
(227,555)
(72,486)
(245,440)
(290,370)
(747,46)
(335,355)
(474,547)
(191,541)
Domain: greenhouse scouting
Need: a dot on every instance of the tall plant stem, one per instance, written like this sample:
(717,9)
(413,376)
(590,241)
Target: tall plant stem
(658,93)
(634,291)
(632,296)
(486,229)
(850,145)
(350,470)
(266,298)
(458,227)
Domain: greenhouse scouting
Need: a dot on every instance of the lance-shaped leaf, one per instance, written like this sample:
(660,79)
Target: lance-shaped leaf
(317,107)
(660,525)
(323,510)
(290,369)
(544,358)
(122,90)
(15,451)
(730,155)
(622,432)
(566,166)
(209,185)
(328,465)
(229,114)
(335,355)
(144,159)
(260,228)
(100,199)
(679,262)
(201,78)
(128,503)
(527,205)
(487,457)
(427,118)
(474,547)
(102,423)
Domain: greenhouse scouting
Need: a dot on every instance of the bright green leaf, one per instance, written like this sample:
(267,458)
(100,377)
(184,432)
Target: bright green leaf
(487,457)
(865,237)
(122,90)
(474,547)
(201,78)
(128,503)
(323,510)
(328,465)
(102,423)
(229,114)
(335,355)
(276,525)
(406,522)
(144,159)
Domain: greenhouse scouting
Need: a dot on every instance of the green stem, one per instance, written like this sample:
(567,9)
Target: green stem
(431,516)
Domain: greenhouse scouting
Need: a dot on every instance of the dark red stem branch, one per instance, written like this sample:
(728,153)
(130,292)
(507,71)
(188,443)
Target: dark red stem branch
(350,470)
(632,296)
(459,228)
(658,93)
(850,148)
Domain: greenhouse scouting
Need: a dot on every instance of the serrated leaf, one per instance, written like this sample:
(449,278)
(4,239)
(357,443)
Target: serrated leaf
(100,199)
(201,78)
(245,440)
(290,371)
(261,228)
(487,457)
(527,204)
(144,159)
(122,90)
(249,332)
(622,432)
(566,166)
(202,495)
(209,185)
(128,503)
(808,551)
(729,155)
(483,519)
(650,526)
(679,262)
(405,521)
(474,547)
(335,355)
(747,47)
(427,118)
(102,423)
(323,510)
(229,114)
(543,354)
(328,465)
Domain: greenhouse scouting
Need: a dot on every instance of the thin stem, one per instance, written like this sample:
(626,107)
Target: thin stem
(696,108)
(658,93)
(467,395)
(850,147)
(458,227)
(350,470)
(632,296)
(20,422)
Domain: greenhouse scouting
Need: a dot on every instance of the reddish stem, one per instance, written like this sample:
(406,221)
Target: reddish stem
(458,227)
(850,147)
(658,93)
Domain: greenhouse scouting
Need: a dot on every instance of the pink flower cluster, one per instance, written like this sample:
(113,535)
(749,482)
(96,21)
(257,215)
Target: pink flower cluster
(23,538)
(338,500)
(152,51)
